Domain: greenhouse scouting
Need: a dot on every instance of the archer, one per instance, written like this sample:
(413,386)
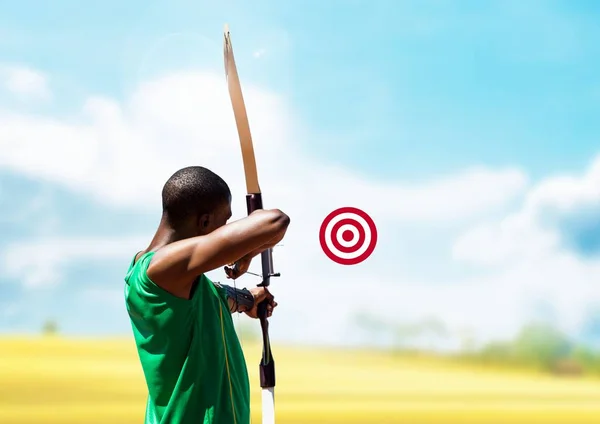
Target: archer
(192,359)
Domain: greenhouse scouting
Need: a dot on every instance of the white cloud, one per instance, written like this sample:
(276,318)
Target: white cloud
(25,83)
(121,153)
(525,252)
(39,263)
(259,53)
(532,230)
(460,196)
(515,238)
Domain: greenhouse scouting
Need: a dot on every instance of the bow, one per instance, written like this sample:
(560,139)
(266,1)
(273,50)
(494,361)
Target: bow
(253,202)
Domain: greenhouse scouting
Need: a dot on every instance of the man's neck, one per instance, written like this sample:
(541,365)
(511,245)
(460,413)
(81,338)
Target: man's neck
(166,234)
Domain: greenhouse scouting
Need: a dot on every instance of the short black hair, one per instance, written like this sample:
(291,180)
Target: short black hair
(191,191)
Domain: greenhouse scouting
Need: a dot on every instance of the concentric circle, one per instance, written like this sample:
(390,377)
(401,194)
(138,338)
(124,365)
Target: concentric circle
(348,236)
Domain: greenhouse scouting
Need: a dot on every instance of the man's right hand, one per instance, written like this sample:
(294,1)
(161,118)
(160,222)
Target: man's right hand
(238,268)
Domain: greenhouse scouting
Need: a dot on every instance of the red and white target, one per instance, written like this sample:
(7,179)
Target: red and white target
(348,236)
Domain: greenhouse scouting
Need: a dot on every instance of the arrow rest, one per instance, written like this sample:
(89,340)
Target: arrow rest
(265,282)
(262,284)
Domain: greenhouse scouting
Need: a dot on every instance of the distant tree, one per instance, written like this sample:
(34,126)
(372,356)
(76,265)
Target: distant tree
(587,358)
(373,328)
(468,342)
(497,352)
(541,345)
(567,367)
(50,327)
(430,326)
(433,326)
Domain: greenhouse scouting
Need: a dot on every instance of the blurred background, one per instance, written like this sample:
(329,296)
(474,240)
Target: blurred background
(468,131)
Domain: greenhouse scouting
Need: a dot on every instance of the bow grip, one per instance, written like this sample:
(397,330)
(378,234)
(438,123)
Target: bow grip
(253,203)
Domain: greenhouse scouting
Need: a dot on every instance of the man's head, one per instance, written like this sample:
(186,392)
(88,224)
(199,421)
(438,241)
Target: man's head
(196,201)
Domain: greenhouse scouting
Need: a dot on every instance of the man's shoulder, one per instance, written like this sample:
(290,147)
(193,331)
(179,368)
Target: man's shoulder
(138,266)
(142,292)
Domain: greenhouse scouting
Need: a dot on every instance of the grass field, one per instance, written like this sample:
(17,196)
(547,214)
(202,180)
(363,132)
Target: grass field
(58,381)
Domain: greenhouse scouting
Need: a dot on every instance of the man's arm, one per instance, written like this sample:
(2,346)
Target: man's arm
(269,245)
(176,265)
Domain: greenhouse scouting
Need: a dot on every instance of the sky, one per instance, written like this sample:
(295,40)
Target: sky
(466,129)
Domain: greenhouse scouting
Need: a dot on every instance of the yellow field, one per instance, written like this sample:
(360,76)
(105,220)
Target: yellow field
(59,381)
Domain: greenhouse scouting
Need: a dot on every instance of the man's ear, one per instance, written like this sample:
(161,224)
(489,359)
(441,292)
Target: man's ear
(204,221)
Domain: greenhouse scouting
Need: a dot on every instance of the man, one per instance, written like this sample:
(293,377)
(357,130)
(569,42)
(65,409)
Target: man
(190,354)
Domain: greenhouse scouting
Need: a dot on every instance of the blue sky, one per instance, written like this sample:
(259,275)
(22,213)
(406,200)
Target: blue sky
(500,83)
(455,118)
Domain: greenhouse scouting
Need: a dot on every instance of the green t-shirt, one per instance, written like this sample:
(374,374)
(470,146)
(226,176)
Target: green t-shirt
(190,353)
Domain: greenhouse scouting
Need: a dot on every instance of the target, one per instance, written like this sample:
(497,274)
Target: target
(348,236)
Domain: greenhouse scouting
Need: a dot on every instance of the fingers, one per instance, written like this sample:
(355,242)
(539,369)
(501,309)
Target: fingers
(268,295)
(234,271)
(230,272)
(262,294)
(270,307)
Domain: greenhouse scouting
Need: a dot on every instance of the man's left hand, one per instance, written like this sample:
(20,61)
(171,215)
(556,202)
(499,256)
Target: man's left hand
(260,294)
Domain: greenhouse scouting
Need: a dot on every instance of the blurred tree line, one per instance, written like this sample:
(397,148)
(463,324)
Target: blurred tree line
(537,345)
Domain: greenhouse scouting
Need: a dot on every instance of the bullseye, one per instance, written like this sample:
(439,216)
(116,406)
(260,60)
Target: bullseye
(348,236)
